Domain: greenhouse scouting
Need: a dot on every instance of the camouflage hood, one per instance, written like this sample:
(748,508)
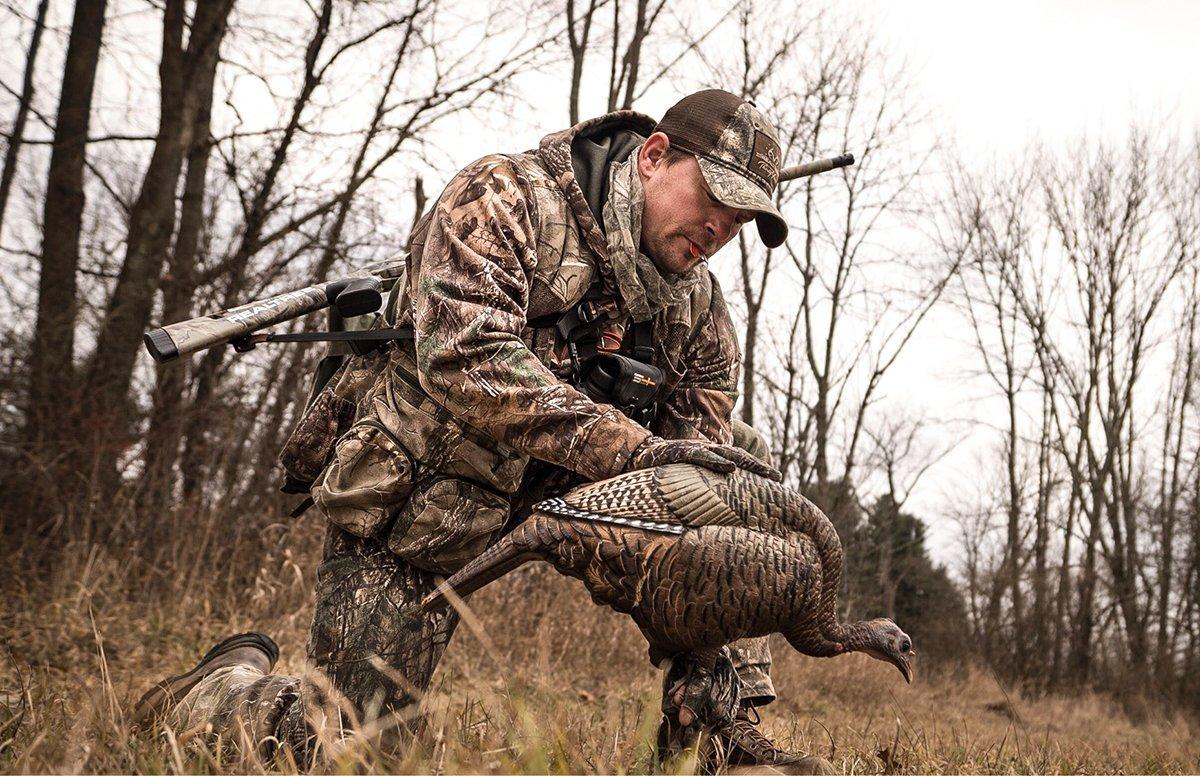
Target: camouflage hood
(579,159)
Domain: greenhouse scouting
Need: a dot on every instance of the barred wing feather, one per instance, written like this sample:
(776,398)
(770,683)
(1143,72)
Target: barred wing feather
(669,499)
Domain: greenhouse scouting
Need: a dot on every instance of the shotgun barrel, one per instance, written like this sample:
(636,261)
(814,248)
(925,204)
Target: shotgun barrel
(812,168)
(352,296)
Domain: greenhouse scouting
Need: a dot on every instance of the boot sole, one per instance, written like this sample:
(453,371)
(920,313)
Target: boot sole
(171,689)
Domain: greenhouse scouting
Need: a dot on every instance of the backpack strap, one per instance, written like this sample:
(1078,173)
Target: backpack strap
(627,382)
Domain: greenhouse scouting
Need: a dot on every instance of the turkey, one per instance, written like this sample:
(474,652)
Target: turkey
(698,559)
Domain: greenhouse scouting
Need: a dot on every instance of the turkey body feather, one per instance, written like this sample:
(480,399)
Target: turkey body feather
(696,558)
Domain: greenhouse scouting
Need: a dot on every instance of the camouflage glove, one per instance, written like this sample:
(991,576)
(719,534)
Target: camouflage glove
(656,451)
(694,693)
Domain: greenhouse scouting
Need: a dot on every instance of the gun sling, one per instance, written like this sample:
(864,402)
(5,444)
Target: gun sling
(243,344)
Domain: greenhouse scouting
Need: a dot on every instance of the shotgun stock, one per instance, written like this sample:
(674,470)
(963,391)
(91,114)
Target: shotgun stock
(355,295)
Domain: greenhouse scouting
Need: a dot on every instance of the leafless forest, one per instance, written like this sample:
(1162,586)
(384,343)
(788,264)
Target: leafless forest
(164,159)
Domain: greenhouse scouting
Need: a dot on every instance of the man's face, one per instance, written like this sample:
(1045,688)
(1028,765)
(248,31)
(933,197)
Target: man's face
(682,223)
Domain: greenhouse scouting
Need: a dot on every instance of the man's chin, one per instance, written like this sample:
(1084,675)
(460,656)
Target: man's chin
(682,268)
(678,261)
(668,267)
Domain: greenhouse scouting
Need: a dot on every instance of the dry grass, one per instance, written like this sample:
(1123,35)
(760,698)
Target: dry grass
(547,682)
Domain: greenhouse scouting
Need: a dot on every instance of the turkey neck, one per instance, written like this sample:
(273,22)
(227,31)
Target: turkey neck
(805,517)
(859,635)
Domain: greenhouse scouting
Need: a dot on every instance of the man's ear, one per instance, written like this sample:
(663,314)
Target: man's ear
(653,154)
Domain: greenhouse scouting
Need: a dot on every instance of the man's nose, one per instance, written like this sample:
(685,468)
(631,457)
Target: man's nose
(720,226)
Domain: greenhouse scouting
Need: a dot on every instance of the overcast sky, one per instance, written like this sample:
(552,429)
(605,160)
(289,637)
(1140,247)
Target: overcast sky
(1001,73)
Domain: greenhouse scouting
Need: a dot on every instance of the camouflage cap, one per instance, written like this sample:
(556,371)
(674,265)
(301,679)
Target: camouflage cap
(738,152)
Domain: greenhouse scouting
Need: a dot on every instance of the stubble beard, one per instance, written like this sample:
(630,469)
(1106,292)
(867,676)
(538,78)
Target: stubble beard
(662,253)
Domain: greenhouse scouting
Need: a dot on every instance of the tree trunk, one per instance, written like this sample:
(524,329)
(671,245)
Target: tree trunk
(52,382)
(614,81)
(179,285)
(1041,540)
(750,343)
(1012,575)
(183,74)
(1060,663)
(633,54)
(1171,489)
(1081,640)
(888,514)
(206,374)
(26,100)
(577,41)
(151,225)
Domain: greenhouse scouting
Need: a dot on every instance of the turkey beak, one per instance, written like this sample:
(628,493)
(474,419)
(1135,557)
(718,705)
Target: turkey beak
(902,662)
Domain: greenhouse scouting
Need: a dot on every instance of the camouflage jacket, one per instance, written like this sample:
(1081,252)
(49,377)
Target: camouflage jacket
(514,239)
(511,239)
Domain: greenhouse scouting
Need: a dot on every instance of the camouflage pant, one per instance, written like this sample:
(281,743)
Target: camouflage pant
(381,658)
(373,650)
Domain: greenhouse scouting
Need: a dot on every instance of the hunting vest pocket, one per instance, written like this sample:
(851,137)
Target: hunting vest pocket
(410,472)
(370,476)
(309,447)
(438,440)
(447,523)
(311,442)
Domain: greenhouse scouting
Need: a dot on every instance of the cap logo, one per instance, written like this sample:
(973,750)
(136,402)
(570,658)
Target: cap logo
(764,160)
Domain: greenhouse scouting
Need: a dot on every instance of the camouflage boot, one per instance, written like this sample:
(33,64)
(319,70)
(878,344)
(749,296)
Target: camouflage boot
(741,747)
(255,651)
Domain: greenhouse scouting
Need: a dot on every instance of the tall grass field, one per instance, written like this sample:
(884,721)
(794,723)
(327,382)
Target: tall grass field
(537,680)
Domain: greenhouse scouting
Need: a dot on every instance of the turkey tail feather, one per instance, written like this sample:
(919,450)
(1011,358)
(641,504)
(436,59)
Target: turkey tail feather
(511,552)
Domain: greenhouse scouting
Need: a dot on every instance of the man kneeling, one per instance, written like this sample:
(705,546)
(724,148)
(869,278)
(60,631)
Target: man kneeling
(565,329)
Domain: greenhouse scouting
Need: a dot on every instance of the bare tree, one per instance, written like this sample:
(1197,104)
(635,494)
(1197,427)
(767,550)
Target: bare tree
(186,73)
(178,286)
(1178,413)
(852,329)
(579,31)
(901,452)
(51,361)
(625,51)
(623,79)
(16,135)
(1102,211)
(788,421)
(990,232)
(1179,470)
(1072,275)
